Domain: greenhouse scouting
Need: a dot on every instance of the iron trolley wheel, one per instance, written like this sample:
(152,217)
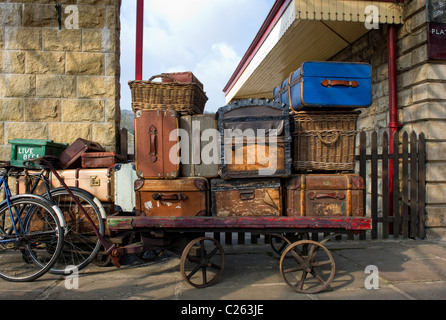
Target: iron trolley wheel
(202,262)
(307,267)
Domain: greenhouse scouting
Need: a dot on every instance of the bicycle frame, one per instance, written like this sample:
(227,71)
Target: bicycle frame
(4,185)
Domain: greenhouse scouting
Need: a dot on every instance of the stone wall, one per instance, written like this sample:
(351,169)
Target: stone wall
(59,84)
(421,99)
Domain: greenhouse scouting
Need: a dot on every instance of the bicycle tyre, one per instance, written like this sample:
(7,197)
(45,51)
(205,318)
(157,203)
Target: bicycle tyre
(81,244)
(34,249)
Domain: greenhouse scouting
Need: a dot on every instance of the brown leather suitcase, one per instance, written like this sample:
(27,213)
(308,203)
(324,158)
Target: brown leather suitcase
(182,77)
(185,197)
(157,144)
(255,139)
(200,148)
(246,197)
(70,158)
(325,195)
(101,159)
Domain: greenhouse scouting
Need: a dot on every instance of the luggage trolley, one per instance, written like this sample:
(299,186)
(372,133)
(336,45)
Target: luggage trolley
(306,266)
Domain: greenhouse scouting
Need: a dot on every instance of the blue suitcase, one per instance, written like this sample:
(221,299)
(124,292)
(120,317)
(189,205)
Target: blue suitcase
(329,85)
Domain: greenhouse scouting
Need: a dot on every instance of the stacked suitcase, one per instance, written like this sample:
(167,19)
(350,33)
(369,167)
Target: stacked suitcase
(168,183)
(323,98)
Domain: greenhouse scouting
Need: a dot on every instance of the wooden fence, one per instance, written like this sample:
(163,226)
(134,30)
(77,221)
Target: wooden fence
(401,212)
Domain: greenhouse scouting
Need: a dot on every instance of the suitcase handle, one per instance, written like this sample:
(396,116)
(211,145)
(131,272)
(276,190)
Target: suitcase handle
(247,195)
(153,145)
(329,142)
(334,83)
(163,76)
(334,195)
(169,197)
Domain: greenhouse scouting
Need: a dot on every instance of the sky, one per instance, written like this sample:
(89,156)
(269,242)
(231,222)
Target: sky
(207,37)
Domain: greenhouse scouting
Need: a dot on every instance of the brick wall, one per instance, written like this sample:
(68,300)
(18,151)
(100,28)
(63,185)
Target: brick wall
(421,99)
(59,84)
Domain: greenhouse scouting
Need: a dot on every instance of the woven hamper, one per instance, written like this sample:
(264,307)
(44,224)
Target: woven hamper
(324,141)
(186,98)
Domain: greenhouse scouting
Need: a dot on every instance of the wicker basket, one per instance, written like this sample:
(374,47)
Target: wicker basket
(324,141)
(186,98)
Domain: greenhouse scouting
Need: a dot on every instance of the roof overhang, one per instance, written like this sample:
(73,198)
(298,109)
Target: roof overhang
(300,30)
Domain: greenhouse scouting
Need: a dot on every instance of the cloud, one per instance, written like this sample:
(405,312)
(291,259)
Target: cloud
(207,37)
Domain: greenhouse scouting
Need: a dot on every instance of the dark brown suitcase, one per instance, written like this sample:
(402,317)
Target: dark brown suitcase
(185,197)
(246,197)
(325,195)
(70,158)
(101,159)
(255,139)
(157,144)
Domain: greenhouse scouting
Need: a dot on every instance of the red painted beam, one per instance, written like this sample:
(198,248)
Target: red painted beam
(139,39)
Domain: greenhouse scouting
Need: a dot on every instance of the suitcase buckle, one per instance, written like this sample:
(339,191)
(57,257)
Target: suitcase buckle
(94,181)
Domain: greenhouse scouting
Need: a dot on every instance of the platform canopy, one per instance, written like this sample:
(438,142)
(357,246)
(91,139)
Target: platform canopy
(303,30)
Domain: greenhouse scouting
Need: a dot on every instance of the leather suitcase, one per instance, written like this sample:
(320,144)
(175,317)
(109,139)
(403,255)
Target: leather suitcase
(200,147)
(318,195)
(99,182)
(182,77)
(157,144)
(70,158)
(326,84)
(246,197)
(185,197)
(101,159)
(255,139)
(124,180)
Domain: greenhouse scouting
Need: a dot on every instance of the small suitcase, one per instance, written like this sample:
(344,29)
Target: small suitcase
(99,182)
(157,144)
(184,197)
(246,197)
(124,180)
(200,147)
(70,158)
(101,159)
(182,77)
(326,84)
(255,139)
(336,195)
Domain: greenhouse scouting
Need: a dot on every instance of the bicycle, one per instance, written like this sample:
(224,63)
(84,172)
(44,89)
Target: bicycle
(31,233)
(81,245)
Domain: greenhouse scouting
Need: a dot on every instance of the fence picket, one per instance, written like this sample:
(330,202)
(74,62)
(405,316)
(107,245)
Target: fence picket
(413,185)
(385,185)
(396,187)
(421,185)
(374,177)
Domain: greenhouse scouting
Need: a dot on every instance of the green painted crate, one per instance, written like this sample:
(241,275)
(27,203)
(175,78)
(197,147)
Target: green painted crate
(26,149)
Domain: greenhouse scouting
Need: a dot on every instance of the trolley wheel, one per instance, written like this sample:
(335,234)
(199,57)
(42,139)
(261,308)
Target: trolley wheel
(279,241)
(202,262)
(307,267)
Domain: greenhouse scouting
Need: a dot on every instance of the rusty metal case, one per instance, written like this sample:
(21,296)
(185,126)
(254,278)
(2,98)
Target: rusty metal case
(246,197)
(157,144)
(201,140)
(324,195)
(183,197)
(255,139)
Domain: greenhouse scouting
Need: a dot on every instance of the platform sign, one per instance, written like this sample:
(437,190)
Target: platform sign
(436,28)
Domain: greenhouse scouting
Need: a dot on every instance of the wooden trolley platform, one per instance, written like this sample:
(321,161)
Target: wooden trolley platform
(306,266)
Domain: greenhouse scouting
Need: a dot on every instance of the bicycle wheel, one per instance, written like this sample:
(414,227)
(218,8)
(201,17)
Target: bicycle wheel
(81,244)
(31,239)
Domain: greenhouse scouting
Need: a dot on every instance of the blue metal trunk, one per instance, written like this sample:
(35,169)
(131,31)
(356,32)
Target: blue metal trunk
(332,85)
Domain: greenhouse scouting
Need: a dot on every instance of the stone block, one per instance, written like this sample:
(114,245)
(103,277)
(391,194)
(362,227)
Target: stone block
(436,150)
(56,86)
(83,110)
(62,40)
(42,110)
(423,111)
(12,62)
(23,38)
(435,193)
(105,134)
(96,87)
(24,130)
(5,153)
(80,63)
(91,17)
(98,40)
(40,15)
(11,110)
(10,14)
(68,133)
(13,85)
(436,216)
(43,62)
